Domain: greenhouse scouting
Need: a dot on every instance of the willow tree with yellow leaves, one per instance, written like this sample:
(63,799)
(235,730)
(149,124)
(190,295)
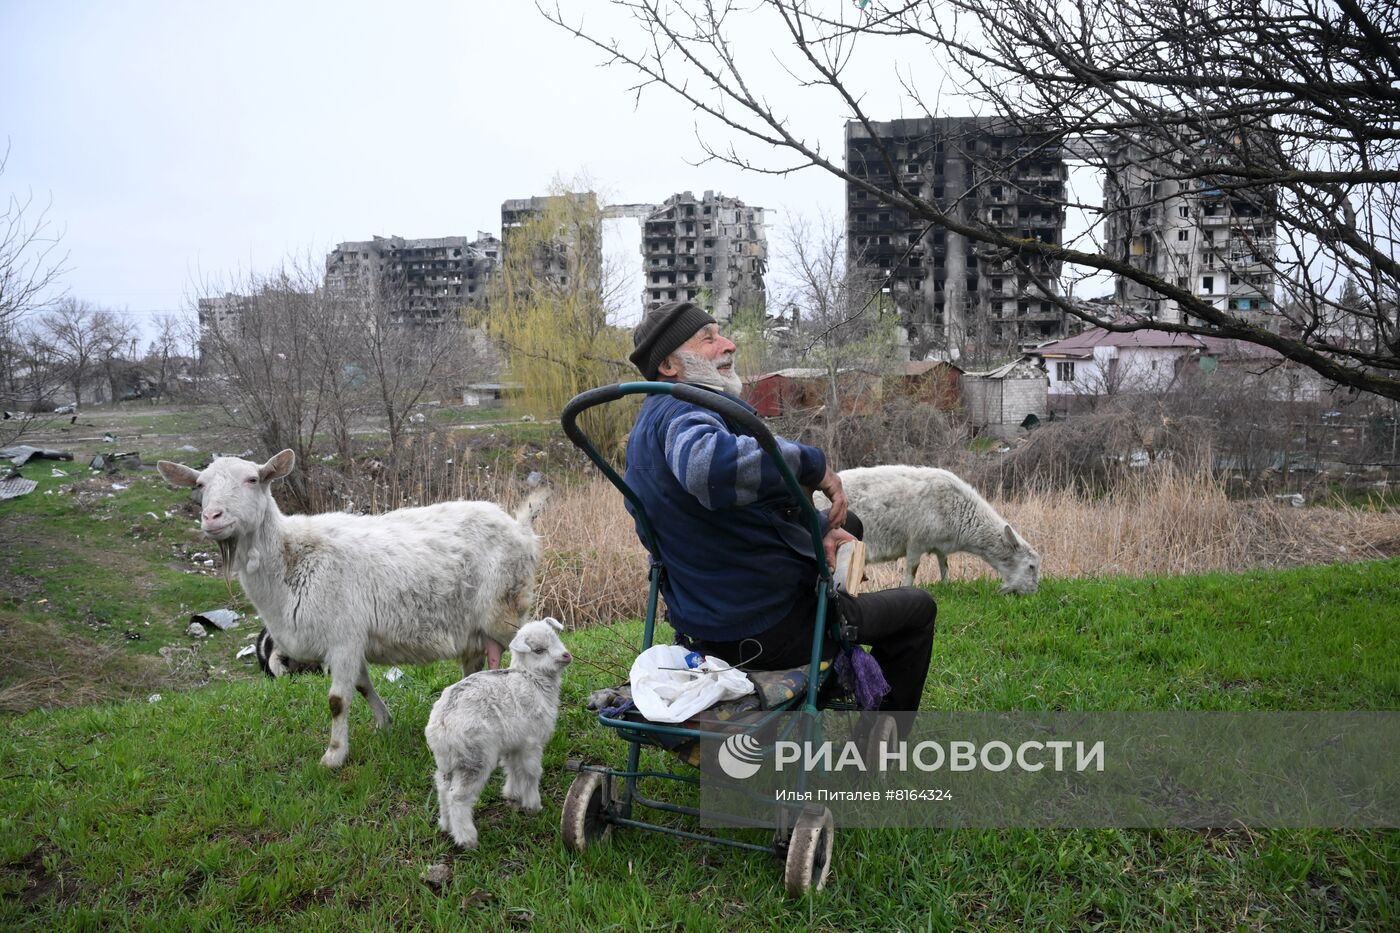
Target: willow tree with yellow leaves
(549,311)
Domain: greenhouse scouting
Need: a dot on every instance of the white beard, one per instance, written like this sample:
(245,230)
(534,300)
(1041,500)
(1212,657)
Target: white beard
(697,369)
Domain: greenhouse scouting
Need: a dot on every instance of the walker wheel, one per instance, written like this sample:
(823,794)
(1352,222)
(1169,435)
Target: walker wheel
(584,821)
(884,734)
(809,852)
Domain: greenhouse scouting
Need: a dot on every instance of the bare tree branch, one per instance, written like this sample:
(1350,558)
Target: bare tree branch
(1291,105)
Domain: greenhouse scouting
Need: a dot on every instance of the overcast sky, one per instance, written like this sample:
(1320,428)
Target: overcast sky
(181,145)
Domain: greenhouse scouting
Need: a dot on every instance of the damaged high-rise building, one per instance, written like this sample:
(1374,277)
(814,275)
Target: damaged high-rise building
(953,296)
(564,238)
(424,281)
(1210,238)
(711,249)
(222,314)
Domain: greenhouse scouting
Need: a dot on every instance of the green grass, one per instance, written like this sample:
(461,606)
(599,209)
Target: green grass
(88,570)
(209,809)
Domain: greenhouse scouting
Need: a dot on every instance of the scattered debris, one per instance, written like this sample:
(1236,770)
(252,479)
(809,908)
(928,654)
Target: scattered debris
(221,619)
(109,439)
(246,649)
(189,448)
(437,876)
(14,488)
(57,472)
(111,463)
(23,453)
(153,698)
(118,487)
(195,630)
(417,417)
(1296,499)
(393,674)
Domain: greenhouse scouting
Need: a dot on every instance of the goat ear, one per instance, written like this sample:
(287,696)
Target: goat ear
(279,466)
(554,623)
(1010,537)
(177,474)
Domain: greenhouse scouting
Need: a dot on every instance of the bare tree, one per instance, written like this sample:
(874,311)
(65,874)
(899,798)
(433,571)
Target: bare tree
(117,357)
(30,269)
(82,340)
(278,359)
(301,365)
(841,321)
(396,365)
(1290,104)
(164,350)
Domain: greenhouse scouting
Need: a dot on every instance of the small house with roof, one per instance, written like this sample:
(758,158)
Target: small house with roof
(1101,362)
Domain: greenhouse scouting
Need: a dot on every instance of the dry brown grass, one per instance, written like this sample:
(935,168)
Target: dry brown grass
(44,667)
(1159,522)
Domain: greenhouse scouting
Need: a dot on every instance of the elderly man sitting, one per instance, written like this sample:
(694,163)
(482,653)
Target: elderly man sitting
(741,575)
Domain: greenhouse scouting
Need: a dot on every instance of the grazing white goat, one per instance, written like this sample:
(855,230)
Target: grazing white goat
(910,511)
(497,718)
(452,580)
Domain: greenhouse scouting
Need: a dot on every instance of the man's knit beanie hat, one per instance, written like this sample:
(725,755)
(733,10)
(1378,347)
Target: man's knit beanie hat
(662,330)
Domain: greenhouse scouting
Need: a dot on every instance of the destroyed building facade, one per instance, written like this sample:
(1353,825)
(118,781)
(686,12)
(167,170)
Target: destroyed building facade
(1208,237)
(953,296)
(712,249)
(567,253)
(425,281)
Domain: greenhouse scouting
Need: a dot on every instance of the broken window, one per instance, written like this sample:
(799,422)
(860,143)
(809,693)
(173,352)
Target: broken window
(1064,372)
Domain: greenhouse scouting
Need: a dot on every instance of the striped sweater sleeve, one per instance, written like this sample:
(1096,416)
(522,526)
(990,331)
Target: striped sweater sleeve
(723,469)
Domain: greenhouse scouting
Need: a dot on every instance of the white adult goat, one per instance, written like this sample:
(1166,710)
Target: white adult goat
(452,580)
(497,717)
(910,511)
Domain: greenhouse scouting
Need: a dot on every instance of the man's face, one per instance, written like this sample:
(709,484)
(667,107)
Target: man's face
(706,358)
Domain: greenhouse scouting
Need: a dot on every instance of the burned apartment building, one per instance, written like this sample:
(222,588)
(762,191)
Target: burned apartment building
(954,296)
(222,314)
(555,240)
(711,249)
(424,281)
(1203,235)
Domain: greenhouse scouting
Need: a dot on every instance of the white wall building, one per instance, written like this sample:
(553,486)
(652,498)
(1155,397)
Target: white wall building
(1100,362)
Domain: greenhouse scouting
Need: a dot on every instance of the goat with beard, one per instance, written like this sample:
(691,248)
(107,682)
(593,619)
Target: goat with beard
(741,572)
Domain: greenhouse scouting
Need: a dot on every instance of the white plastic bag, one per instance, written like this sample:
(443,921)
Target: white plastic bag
(668,688)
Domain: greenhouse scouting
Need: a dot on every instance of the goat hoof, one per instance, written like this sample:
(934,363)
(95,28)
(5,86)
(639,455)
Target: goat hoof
(333,759)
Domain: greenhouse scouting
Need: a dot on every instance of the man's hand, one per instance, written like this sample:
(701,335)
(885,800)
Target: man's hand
(832,543)
(831,487)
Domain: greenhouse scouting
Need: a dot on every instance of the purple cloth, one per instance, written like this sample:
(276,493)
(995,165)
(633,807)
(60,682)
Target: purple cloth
(860,673)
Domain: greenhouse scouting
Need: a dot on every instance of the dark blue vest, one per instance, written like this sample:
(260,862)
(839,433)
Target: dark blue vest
(730,572)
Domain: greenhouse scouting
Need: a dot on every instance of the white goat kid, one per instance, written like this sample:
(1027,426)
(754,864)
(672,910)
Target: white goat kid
(497,717)
(910,511)
(452,580)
